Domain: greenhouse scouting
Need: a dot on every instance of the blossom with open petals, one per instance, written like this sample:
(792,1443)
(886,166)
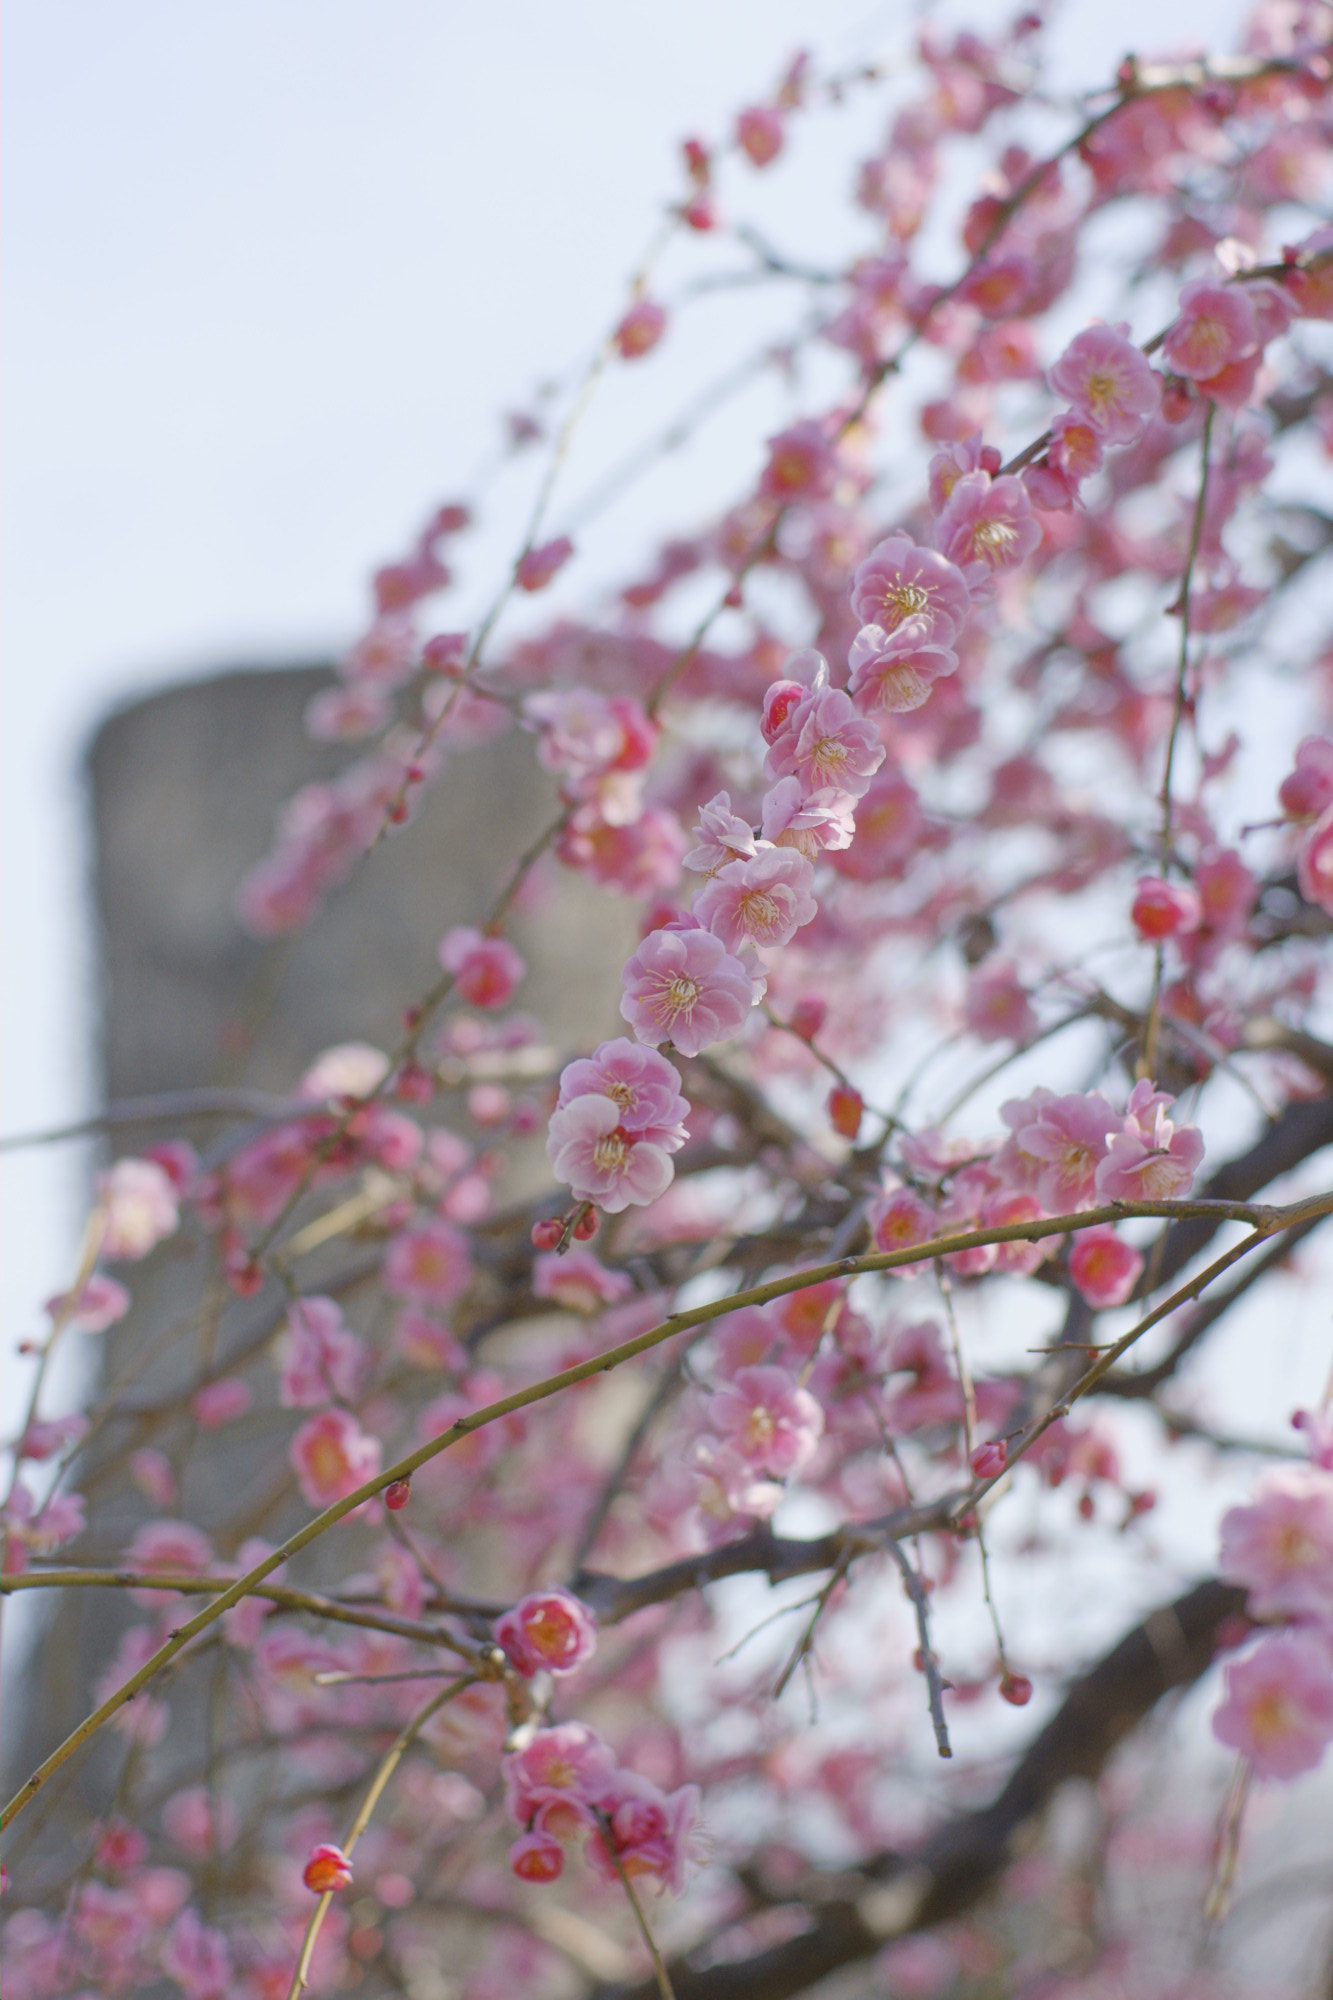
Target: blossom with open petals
(685,987)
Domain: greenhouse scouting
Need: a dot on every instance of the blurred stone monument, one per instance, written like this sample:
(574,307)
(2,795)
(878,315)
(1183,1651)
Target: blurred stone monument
(185,786)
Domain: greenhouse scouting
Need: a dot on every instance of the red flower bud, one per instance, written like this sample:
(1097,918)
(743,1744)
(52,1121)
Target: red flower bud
(328,1868)
(1016,1689)
(397,1494)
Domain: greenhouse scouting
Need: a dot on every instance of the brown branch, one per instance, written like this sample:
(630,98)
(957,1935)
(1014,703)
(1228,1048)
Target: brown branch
(953,1869)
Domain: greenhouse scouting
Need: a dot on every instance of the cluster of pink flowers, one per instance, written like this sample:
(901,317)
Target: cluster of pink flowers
(618,1119)
(1277,1709)
(547,1631)
(565,1786)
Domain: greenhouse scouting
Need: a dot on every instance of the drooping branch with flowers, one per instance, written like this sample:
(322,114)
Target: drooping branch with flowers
(967,768)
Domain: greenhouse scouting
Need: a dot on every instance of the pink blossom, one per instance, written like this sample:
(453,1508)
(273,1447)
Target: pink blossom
(635,859)
(648,1835)
(198,1959)
(759,133)
(549,1630)
(536,569)
(826,744)
(1108,381)
(809,822)
(1165,909)
(997,1007)
(1066,1139)
(899,580)
(1308,790)
(221,1402)
(578,1280)
(140,1205)
(1214,329)
(933,1395)
(320,1357)
(643,1085)
(895,671)
(1314,864)
(199,1823)
(640,330)
(152,1474)
(1278,1710)
(600,1161)
(728,1487)
(45,1437)
(762,901)
(168,1548)
(987,527)
(685,987)
(721,836)
(583,734)
(802,464)
(428,1263)
(1150,1158)
(486,969)
(346,714)
(1104,1268)
(98,1304)
(765,1415)
(331,1456)
(536,1857)
(327,1869)
(1280,1545)
(898,1219)
(568,1762)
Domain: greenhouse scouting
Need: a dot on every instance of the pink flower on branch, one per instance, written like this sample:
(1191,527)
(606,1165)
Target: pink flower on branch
(141,1208)
(1280,1545)
(486,970)
(762,901)
(894,672)
(987,528)
(685,987)
(1108,381)
(1215,328)
(1104,1268)
(1149,1158)
(331,1456)
(765,1416)
(1278,1709)
(548,1630)
(898,581)
(721,836)
(428,1263)
(826,744)
(600,1160)
(643,1085)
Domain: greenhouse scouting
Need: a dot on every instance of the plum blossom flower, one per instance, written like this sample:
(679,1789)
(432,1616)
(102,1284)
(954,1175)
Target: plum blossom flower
(327,1868)
(1149,1158)
(428,1263)
(167,1548)
(802,464)
(895,671)
(548,1630)
(221,1402)
(537,1857)
(721,836)
(1307,791)
(987,527)
(1215,328)
(826,744)
(647,1834)
(1278,1710)
(1107,381)
(640,330)
(99,1302)
(1280,1545)
(997,1008)
(582,734)
(808,821)
(762,901)
(1065,1140)
(331,1456)
(1104,1268)
(768,1418)
(759,133)
(899,580)
(486,969)
(140,1205)
(320,1357)
(1165,909)
(578,1280)
(640,1082)
(568,1762)
(537,567)
(728,1487)
(591,1150)
(685,987)
(898,1219)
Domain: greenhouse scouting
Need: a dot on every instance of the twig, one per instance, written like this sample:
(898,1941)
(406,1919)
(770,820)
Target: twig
(914,1585)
